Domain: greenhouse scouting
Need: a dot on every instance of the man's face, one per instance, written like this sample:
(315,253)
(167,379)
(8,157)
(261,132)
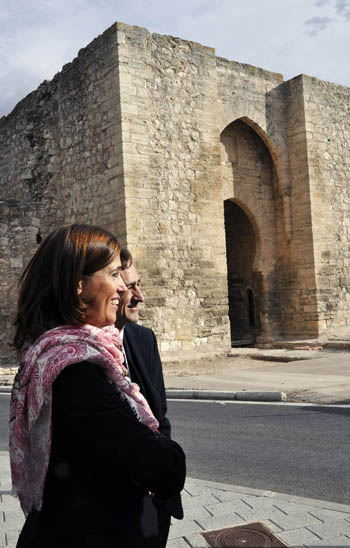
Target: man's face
(128,305)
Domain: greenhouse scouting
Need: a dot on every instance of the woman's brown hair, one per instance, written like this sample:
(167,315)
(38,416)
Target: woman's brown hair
(48,295)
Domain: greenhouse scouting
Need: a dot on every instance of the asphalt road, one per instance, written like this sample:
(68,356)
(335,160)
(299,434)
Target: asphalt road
(299,450)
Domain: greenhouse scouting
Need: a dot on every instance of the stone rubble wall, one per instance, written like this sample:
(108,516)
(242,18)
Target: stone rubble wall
(327,123)
(91,166)
(28,194)
(296,264)
(60,162)
(174,205)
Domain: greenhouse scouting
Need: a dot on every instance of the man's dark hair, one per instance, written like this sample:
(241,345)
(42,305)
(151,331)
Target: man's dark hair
(125,258)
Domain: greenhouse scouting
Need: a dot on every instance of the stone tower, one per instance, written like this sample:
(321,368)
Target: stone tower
(230,186)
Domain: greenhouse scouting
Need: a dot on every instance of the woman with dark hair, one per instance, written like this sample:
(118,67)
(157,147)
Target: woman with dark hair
(85,452)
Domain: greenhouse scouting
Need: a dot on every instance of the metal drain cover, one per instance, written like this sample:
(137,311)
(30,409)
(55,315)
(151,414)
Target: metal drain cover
(252,535)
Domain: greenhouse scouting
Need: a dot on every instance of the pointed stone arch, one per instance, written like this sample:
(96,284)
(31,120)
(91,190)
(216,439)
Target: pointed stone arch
(255,228)
(253,219)
(280,159)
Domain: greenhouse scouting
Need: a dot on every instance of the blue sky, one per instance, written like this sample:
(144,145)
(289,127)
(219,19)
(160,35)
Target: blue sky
(38,37)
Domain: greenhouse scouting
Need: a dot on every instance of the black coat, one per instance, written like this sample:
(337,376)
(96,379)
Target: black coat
(103,460)
(145,366)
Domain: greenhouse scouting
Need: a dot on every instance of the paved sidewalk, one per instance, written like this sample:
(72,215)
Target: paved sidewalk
(294,520)
(208,505)
(316,377)
(11,516)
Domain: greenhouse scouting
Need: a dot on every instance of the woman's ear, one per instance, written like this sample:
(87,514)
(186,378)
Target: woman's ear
(80,287)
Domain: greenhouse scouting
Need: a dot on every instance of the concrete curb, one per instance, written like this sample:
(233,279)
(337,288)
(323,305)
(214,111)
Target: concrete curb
(209,394)
(319,503)
(225,395)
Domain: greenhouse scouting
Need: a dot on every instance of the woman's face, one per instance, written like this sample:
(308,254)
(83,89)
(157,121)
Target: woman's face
(103,290)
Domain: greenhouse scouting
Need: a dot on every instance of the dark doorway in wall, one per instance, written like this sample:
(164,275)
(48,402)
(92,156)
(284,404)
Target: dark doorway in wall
(251,307)
(242,294)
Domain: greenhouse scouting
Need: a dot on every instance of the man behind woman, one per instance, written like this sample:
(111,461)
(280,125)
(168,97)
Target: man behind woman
(85,450)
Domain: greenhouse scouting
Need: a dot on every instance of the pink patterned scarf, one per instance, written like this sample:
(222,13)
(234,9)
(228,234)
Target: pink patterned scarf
(30,412)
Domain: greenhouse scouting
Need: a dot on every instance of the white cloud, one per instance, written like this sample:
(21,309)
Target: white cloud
(293,36)
(342,8)
(317,24)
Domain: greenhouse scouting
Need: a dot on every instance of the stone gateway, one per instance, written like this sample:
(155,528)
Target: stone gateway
(230,185)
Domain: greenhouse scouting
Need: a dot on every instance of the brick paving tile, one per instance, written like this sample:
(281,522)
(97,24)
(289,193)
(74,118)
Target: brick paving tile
(327,531)
(225,496)
(197,490)
(300,537)
(178,543)
(195,541)
(221,521)
(200,500)
(183,528)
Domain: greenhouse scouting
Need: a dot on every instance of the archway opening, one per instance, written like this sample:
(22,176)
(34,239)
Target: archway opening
(253,224)
(242,292)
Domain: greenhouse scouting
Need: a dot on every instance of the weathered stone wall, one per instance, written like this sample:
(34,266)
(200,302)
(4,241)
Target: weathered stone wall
(90,140)
(28,193)
(149,136)
(174,201)
(296,262)
(61,162)
(327,125)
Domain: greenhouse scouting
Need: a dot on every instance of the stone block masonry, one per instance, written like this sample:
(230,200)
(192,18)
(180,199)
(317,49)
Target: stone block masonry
(229,185)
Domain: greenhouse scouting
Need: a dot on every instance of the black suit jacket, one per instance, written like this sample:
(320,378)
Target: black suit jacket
(145,367)
(141,349)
